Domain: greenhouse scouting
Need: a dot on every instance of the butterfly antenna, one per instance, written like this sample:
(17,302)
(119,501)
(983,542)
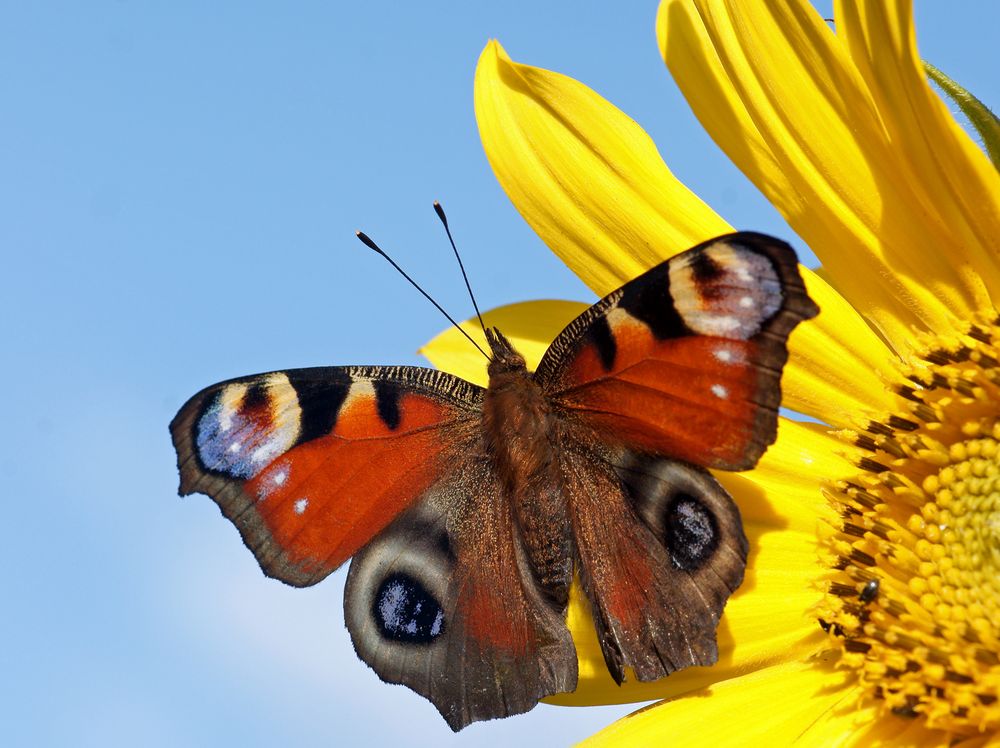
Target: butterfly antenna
(444,220)
(378,250)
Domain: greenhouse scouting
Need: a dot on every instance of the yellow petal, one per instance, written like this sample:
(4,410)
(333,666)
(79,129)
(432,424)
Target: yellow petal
(838,367)
(950,175)
(779,93)
(530,326)
(791,476)
(776,706)
(783,490)
(586,177)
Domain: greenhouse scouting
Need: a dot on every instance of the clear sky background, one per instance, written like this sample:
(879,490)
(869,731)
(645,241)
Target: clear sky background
(179,187)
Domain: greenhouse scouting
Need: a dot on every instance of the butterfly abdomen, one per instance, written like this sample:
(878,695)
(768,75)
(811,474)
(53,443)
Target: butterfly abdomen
(521,433)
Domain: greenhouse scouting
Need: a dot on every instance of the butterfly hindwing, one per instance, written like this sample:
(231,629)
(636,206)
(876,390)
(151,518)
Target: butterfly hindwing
(661,548)
(443,601)
(310,464)
(686,359)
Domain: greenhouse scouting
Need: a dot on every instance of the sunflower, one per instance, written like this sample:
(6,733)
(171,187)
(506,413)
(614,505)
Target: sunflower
(871,607)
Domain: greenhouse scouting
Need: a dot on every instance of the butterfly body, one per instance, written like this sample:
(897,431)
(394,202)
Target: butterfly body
(469,511)
(522,434)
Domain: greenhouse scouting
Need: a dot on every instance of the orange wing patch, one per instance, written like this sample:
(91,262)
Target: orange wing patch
(325,499)
(692,398)
(374,410)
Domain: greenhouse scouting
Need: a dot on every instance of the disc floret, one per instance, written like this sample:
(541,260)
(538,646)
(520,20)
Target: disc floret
(913,596)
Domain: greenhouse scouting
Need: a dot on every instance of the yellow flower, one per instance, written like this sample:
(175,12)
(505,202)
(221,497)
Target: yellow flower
(871,607)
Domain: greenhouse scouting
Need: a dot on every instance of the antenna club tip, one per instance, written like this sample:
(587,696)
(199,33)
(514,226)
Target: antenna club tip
(366,241)
(440,213)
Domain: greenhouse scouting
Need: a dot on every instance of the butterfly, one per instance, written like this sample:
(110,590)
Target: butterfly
(469,511)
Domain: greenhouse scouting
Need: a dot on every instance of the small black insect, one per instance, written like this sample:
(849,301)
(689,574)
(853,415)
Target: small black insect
(869,592)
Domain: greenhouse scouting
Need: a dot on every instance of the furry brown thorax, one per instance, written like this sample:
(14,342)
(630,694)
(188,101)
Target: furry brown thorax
(521,432)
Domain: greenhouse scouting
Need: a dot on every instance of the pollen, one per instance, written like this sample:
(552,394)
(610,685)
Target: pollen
(913,595)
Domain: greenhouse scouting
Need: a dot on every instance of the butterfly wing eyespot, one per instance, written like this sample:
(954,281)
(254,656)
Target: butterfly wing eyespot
(687,510)
(311,464)
(691,515)
(442,601)
(686,359)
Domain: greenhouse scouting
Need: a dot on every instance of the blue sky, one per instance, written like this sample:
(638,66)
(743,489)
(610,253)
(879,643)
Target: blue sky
(180,186)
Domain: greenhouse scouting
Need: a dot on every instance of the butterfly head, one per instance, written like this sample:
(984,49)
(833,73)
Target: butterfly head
(503,357)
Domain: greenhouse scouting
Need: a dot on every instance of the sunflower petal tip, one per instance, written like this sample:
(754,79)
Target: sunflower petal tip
(494,51)
(491,60)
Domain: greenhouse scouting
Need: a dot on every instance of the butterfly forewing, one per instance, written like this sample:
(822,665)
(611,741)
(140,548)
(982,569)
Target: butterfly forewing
(310,464)
(686,359)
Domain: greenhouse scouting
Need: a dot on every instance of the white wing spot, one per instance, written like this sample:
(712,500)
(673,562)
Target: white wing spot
(265,453)
(719,391)
(272,482)
(746,302)
(300,505)
(235,447)
(725,324)
(723,354)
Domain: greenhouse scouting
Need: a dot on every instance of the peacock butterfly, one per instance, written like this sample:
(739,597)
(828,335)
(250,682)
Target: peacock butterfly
(468,511)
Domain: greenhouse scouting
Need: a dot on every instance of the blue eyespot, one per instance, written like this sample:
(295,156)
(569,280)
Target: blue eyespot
(691,532)
(406,612)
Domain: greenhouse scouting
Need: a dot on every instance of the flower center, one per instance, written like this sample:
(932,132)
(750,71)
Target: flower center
(914,596)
